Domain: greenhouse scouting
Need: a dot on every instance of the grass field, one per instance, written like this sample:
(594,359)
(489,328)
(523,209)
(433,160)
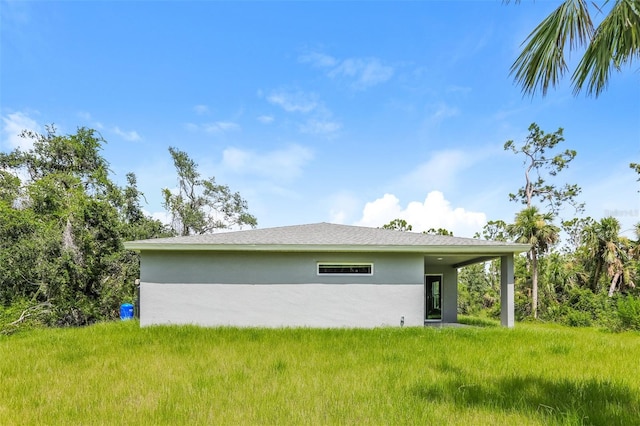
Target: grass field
(117,373)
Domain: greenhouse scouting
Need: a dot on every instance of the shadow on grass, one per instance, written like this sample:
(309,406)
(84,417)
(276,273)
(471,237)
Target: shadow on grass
(576,402)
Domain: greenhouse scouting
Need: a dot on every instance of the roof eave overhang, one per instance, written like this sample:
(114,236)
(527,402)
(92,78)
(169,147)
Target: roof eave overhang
(442,249)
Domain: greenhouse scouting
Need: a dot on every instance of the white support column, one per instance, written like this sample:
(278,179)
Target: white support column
(507,311)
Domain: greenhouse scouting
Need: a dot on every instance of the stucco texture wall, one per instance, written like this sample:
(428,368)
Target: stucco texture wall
(282,305)
(284,289)
(274,268)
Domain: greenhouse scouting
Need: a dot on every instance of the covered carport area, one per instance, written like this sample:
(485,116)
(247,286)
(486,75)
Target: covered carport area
(446,262)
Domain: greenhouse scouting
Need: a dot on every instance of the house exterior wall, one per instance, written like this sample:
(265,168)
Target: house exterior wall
(267,289)
(274,268)
(280,289)
(282,305)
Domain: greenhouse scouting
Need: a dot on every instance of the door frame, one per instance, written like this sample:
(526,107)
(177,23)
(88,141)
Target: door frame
(441,277)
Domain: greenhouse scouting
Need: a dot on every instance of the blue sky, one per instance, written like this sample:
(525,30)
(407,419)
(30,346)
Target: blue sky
(348,112)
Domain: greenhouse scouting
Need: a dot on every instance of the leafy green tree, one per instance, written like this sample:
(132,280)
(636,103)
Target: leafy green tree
(58,155)
(19,251)
(535,228)
(567,269)
(540,166)
(136,225)
(439,231)
(479,284)
(531,226)
(479,289)
(493,230)
(560,273)
(636,168)
(614,43)
(62,226)
(201,206)
(9,187)
(398,225)
(574,231)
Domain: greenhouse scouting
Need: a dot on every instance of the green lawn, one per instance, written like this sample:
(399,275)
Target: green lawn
(117,373)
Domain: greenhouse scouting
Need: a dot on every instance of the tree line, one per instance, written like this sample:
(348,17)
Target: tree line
(63,221)
(588,280)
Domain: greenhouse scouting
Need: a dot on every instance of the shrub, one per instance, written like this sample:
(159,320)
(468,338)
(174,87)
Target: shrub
(629,312)
(522,306)
(21,315)
(575,318)
(584,300)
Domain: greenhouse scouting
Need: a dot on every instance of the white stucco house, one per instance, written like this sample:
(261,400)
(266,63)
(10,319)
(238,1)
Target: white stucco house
(317,275)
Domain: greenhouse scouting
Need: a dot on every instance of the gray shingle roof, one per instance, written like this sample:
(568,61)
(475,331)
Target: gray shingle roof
(320,235)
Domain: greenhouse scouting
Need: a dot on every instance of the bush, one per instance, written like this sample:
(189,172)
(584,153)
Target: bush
(575,318)
(22,314)
(629,312)
(583,308)
(597,307)
(522,306)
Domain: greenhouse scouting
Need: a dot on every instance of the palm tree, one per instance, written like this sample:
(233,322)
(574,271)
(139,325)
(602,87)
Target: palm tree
(600,239)
(613,43)
(535,228)
(621,269)
(611,253)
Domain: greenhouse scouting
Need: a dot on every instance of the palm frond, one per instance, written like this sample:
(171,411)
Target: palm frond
(616,42)
(542,61)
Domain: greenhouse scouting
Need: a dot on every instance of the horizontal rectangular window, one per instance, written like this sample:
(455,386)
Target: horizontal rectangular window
(345,268)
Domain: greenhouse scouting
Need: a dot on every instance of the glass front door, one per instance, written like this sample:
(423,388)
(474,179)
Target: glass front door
(433,298)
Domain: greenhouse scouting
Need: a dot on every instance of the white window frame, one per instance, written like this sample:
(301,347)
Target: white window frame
(325,274)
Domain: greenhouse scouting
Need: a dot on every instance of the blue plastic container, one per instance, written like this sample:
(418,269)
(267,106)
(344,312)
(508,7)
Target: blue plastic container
(126,311)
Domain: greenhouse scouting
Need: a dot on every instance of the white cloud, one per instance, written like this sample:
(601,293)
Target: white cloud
(435,212)
(441,170)
(441,112)
(214,127)
(283,164)
(201,109)
(343,206)
(318,60)
(320,127)
(220,126)
(191,127)
(366,72)
(317,117)
(464,90)
(131,136)
(297,101)
(381,211)
(363,72)
(12,125)
(163,216)
(337,216)
(266,119)
(236,159)
(87,117)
